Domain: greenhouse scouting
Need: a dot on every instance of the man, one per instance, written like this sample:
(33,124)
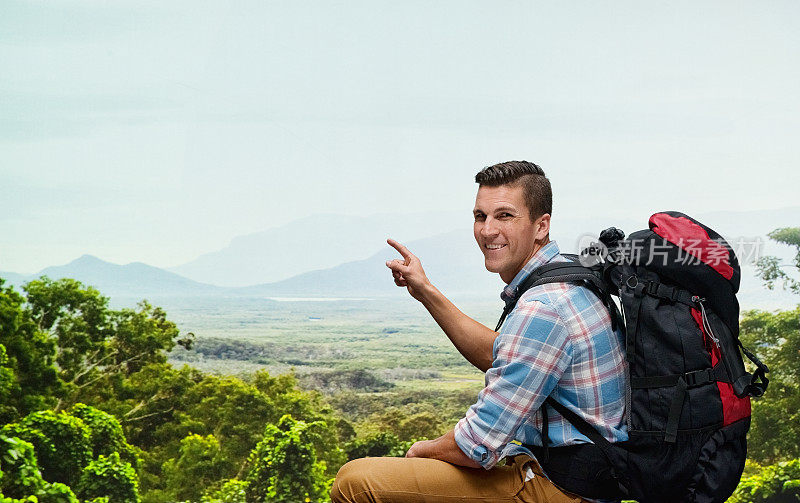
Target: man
(556,342)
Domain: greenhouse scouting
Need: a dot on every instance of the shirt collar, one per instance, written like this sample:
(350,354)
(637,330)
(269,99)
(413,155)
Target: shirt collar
(547,253)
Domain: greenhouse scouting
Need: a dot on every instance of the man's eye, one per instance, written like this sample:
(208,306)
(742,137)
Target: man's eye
(506,215)
(479,217)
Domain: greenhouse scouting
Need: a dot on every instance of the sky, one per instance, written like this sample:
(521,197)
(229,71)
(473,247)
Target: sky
(157,131)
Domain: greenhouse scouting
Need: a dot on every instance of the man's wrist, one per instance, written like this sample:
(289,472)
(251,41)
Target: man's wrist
(428,294)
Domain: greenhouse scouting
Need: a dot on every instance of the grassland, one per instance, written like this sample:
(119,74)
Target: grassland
(394,339)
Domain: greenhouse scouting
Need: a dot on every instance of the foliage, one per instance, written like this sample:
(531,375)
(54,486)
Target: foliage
(770,267)
(75,317)
(381,444)
(105,433)
(61,443)
(7,384)
(56,493)
(20,471)
(776,416)
(57,456)
(194,432)
(30,379)
(778,483)
(284,466)
(21,479)
(232,491)
(109,476)
(201,464)
(161,405)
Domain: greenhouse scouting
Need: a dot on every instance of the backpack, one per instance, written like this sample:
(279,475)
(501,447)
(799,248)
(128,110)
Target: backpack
(688,400)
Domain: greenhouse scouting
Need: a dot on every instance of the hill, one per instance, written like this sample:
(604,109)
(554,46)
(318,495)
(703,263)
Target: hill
(131,280)
(307,244)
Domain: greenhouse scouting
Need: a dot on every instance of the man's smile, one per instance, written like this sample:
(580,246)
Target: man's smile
(495,247)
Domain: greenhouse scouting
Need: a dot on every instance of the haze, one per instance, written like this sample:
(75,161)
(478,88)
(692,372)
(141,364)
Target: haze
(159,131)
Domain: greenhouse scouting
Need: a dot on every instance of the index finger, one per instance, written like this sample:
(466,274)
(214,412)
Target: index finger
(400,248)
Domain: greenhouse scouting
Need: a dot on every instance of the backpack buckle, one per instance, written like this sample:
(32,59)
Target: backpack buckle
(698,377)
(674,295)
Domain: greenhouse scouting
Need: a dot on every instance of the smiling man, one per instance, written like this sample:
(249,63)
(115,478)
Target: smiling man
(556,342)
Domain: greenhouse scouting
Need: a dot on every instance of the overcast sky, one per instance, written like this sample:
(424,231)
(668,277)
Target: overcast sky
(157,131)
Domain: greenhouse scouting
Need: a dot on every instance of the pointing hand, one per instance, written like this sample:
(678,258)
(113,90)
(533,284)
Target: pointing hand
(408,272)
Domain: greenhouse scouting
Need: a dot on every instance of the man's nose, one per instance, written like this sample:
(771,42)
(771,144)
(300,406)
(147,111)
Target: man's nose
(489,228)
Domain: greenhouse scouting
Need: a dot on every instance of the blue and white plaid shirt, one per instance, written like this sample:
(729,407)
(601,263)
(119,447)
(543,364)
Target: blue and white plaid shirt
(556,342)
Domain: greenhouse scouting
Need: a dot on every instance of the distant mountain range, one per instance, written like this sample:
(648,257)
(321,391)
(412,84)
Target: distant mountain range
(131,280)
(308,244)
(451,260)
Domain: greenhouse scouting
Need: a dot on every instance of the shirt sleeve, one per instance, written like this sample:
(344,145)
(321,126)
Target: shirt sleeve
(531,353)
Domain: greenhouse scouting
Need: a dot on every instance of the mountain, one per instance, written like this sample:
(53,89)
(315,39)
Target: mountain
(131,280)
(315,242)
(452,261)
(327,240)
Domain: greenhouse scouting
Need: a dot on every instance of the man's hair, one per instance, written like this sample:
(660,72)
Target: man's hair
(535,185)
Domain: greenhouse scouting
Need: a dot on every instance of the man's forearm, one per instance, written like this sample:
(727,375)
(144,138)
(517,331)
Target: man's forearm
(473,340)
(443,448)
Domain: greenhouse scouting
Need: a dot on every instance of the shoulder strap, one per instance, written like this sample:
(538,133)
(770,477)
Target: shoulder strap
(580,424)
(564,272)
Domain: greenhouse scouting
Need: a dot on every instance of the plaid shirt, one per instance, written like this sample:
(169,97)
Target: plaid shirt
(556,342)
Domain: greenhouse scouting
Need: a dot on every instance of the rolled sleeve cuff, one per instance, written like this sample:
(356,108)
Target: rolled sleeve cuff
(466,441)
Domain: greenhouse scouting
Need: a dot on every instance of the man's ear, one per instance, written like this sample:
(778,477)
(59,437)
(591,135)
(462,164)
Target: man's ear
(542,226)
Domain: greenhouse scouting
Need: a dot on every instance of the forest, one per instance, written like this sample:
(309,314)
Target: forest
(93,410)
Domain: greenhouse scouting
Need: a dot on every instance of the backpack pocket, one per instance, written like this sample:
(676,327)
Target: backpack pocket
(720,464)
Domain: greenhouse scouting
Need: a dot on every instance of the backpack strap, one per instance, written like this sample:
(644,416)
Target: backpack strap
(692,379)
(592,434)
(758,381)
(563,272)
(669,293)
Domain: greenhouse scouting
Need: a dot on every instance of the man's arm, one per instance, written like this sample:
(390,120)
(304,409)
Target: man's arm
(473,340)
(443,448)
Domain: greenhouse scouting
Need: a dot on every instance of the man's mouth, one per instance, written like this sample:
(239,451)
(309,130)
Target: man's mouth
(495,247)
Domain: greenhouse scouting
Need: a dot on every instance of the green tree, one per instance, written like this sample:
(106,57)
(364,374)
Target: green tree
(377,445)
(30,378)
(8,382)
(56,455)
(161,405)
(105,433)
(62,444)
(95,346)
(232,491)
(770,267)
(284,466)
(76,318)
(109,477)
(21,480)
(776,416)
(201,464)
(21,475)
(778,483)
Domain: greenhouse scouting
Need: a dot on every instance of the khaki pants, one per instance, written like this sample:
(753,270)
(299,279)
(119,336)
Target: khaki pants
(422,480)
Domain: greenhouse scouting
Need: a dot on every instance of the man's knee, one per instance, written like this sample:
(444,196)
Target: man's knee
(350,484)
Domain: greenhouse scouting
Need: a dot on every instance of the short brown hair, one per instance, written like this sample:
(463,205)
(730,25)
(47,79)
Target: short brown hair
(536,186)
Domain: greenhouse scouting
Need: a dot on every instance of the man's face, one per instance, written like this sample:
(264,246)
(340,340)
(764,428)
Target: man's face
(504,230)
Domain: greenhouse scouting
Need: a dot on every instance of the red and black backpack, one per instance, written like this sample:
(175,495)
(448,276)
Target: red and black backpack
(688,404)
